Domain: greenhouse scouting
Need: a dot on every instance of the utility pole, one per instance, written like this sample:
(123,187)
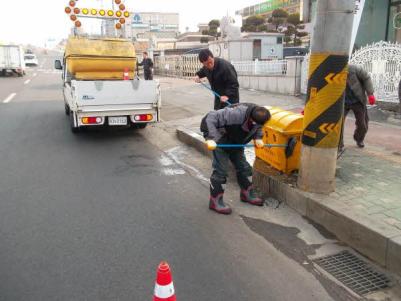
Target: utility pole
(324,109)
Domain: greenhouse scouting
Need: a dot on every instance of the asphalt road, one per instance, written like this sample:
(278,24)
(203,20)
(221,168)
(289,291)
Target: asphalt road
(90,216)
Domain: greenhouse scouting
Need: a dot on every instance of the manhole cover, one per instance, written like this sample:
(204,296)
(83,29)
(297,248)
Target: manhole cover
(353,272)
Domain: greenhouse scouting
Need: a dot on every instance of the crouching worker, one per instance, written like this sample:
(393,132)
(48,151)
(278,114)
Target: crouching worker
(235,125)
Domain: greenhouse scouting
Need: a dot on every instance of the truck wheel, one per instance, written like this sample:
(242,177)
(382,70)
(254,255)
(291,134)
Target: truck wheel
(74,129)
(139,126)
(67,109)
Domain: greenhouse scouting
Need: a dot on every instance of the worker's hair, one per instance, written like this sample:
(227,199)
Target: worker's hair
(204,54)
(145,53)
(260,115)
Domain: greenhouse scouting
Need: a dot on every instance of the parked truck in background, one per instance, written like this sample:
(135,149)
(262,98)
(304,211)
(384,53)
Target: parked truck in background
(101,88)
(12,60)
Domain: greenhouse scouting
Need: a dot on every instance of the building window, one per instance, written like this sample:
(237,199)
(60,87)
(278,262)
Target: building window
(279,40)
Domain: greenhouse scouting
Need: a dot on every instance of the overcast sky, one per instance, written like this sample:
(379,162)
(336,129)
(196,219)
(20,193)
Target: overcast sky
(30,21)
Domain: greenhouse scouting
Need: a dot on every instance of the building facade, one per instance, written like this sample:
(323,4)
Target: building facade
(381,19)
(266,8)
(145,24)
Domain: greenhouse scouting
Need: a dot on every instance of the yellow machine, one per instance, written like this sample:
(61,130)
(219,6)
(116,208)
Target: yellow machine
(283,127)
(100,59)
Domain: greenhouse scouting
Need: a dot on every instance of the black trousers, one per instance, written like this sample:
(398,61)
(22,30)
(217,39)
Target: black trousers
(221,157)
(361,120)
(148,76)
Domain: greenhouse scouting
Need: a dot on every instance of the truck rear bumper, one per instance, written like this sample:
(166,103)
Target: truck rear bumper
(101,117)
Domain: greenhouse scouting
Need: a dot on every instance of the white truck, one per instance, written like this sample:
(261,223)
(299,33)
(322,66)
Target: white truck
(12,60)
(100,86)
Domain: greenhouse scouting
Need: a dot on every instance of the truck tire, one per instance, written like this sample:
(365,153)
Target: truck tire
(67,109)
(139,126)
(74,129)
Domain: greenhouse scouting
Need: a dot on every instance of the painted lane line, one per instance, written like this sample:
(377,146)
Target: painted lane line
(27,81)
(9,98)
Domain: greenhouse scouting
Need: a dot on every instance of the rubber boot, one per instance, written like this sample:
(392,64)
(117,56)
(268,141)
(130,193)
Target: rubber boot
(249,196)
(217,204)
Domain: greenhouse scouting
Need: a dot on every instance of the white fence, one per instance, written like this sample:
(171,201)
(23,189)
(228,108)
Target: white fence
(383,62)
(261,68)
(279,76)
(177,65)
(187,66)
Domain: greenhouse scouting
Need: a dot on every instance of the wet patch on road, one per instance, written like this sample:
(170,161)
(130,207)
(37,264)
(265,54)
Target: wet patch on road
(286,240)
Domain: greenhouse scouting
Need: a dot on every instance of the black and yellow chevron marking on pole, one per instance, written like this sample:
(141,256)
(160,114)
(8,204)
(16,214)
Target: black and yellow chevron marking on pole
(324,108)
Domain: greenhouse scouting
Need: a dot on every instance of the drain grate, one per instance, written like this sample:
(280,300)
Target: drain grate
(354,273)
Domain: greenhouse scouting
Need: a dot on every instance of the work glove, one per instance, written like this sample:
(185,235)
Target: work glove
(372,99)
(211,145)
(259,143)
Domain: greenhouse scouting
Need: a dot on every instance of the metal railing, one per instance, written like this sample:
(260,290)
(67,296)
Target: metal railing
(177,65)
(187,65)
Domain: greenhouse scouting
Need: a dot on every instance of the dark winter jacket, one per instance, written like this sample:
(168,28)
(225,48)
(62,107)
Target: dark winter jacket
(147,65)
(231,125)
(359,84)
(223,80)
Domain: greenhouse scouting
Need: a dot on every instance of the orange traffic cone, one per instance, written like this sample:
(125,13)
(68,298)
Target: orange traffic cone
(126,73)
(164,287)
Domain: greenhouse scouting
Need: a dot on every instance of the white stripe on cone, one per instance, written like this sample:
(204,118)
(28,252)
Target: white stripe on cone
(164,291)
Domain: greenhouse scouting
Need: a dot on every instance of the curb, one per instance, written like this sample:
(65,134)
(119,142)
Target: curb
(373,239)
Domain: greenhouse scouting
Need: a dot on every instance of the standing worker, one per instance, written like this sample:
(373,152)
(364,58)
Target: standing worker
(147,64)
(359,89)
(222,78)
(236,124)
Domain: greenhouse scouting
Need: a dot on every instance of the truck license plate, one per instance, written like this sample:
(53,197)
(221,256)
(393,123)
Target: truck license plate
(118,120)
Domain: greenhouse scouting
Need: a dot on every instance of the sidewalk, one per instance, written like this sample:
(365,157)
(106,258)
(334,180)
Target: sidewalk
(365,210)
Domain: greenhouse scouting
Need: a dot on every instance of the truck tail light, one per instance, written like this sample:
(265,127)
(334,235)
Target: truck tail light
(92,120)
(143,117)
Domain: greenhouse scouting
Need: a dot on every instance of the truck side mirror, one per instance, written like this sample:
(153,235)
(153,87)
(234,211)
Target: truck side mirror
(58,65)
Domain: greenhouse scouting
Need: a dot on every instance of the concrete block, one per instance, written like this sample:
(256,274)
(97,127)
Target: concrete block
(363,234)
(245,82)
(254,83)
(263,83)
(393,262)
(296,200)
(193,139)
(272,84)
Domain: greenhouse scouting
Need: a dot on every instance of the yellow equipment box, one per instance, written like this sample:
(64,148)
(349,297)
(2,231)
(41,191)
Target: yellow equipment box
(284,127)
(99,59)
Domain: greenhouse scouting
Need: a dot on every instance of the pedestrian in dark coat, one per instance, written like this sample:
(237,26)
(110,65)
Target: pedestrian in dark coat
(235,124)
(222,77)
(147,64)
(359,90)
